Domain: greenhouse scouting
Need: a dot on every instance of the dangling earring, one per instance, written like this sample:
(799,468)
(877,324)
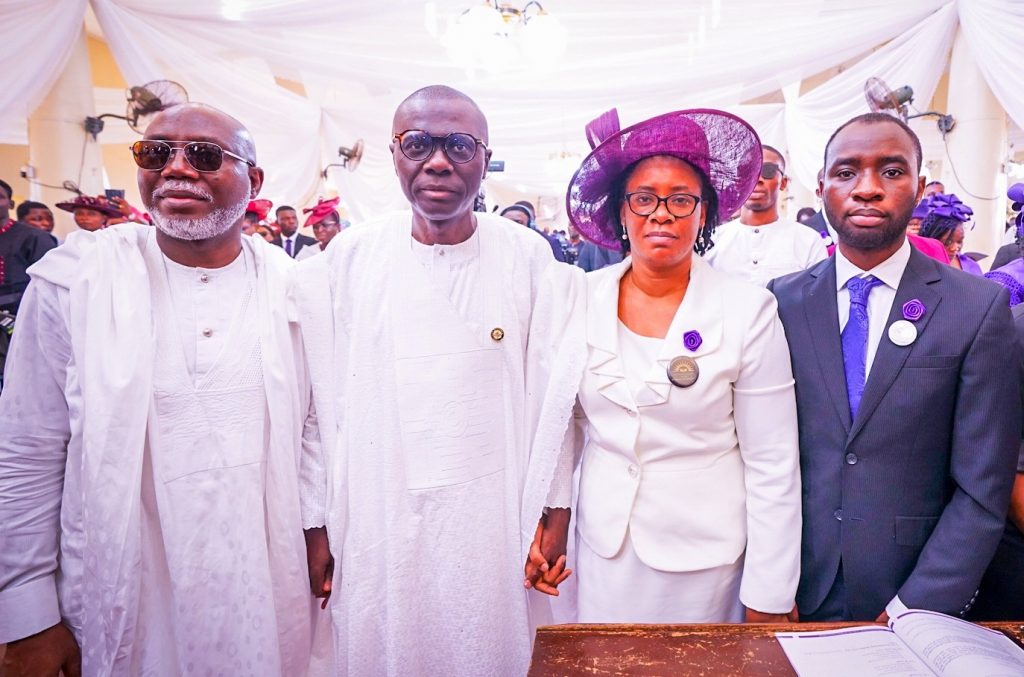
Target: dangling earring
(625,235)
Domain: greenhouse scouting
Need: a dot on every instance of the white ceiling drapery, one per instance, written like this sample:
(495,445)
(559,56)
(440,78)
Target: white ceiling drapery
(358,59)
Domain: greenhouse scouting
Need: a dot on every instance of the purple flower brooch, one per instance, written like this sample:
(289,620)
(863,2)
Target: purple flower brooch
(904,332)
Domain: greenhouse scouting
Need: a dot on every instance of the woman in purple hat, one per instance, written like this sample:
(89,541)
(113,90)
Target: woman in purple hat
(1011,275)
(689,497)
(944,219)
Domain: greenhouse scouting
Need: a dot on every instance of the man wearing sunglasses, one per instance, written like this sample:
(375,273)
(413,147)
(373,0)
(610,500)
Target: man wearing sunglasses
(151,431)
(439,343)
(760,245)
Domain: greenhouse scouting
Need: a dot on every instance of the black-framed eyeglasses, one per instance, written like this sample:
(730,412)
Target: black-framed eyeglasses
(204,156)
(679,205)
(418,145)
(769,170)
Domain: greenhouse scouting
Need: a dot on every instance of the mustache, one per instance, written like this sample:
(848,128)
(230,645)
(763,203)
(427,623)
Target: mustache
(182,186)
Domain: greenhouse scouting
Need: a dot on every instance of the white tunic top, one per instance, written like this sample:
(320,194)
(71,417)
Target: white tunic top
(159,433)
(444,378)
(760,254)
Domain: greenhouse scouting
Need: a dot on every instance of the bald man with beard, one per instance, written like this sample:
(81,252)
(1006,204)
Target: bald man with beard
(445,348)
(152,419)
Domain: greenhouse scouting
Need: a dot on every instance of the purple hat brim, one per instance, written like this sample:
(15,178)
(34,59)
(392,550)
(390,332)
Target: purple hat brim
(723,146)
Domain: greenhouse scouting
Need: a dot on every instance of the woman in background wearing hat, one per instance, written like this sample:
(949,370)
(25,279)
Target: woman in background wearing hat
(91,213)
(689,497)
(943,220)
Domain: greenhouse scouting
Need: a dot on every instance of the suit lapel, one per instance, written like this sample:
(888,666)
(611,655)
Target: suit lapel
(822,314)
(921,272)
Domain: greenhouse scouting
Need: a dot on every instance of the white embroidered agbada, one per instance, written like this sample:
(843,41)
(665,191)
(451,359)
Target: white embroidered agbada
(180,549)
(443,393)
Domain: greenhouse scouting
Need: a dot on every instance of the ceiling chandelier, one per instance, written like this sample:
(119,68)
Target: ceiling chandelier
(499,37)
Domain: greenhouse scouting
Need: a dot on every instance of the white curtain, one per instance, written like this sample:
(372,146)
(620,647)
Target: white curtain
(995,33)
(356,60)
(36,37)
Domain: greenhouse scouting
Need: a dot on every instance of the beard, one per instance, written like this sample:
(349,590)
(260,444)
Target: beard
(871,239)
(217,222)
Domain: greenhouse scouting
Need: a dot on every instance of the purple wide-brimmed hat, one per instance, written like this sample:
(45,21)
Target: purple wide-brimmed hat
(720,144)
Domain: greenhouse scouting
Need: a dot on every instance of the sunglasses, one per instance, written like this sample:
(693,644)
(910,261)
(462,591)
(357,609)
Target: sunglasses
(418,145)
(769,170)
(203,156)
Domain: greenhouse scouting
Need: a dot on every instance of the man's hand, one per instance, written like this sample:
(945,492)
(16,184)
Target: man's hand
(754,616)
(320,563)
(44,654)
(545,565)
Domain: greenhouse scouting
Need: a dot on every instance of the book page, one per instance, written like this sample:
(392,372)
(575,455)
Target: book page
(865,651)
(955,648)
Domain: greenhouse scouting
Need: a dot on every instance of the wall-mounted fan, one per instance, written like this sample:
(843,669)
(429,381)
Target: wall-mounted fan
(144,101)
(882,99)
(352,157)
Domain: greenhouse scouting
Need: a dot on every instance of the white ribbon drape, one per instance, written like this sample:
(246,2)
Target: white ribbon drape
(357,60)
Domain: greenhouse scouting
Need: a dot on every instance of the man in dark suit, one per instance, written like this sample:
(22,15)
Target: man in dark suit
(291,240)
(909,419)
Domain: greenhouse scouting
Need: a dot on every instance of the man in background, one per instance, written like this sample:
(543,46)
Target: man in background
(760,245)
(291,241)
(21,245)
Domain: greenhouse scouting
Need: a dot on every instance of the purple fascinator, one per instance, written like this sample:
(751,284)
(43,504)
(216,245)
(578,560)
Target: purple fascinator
(921,210)
(1016,195)
(723,146)
(948,206)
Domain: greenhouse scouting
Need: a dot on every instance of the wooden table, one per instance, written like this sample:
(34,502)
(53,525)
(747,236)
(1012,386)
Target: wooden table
(649,650)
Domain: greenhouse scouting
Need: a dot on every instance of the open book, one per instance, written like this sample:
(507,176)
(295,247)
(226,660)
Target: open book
(915,644)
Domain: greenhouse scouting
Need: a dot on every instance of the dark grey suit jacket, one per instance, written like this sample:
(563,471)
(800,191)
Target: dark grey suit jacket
(817,223)
(912,495)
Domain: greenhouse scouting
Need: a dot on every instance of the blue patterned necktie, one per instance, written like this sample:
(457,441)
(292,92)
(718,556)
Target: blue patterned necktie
(855,338)
(288,247)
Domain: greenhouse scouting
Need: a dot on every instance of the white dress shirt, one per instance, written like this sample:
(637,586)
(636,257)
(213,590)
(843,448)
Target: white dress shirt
(760,254)
(289,248)
(890,272)
(880,300)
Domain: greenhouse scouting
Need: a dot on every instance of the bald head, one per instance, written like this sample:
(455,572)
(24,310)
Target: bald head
(200,116)
(440,98)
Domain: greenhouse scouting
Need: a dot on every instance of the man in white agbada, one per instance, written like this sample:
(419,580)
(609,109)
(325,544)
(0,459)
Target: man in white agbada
(152,419)
(760,245)
(445,350)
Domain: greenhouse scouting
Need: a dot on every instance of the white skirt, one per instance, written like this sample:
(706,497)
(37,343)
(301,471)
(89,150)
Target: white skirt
(623,589)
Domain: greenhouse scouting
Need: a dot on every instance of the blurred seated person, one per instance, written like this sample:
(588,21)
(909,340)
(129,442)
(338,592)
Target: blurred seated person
(255,213)
(944,221)
(265,232)
(326,222)
(522,212)
(91,213)
(934,188)
(37,215)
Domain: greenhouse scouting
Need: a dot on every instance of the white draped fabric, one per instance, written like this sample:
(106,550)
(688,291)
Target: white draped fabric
(356,60)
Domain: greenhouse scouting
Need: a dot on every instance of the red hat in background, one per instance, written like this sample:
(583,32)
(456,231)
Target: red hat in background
(261,207)
(99,204)
(321,211)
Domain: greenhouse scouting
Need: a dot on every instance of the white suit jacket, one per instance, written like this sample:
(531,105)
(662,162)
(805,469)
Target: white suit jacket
(698,475)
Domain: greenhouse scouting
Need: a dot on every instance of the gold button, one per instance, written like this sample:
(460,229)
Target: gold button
(207,333)
(497,333)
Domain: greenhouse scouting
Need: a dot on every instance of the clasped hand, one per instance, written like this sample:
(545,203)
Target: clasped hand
(545,565)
